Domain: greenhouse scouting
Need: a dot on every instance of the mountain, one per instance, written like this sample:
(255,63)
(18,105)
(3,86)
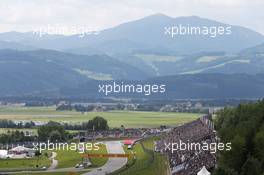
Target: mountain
(136,50)
(22,73)
(29,72)
(198,86)
(51,74)
(204,62)
(214,85)
(148,35)
(143,45)
(14,46)
(27,37)
(149,31)
(253,51)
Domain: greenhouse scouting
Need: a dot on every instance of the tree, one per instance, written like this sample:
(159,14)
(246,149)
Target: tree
(97,124)
(244,128)
(221,171)
(251,167)
(259,144)
(52,130)
(55,135)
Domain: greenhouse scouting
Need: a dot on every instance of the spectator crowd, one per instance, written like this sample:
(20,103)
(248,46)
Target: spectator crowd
(189,162)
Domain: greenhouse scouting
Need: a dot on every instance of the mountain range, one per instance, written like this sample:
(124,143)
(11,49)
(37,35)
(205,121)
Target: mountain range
(146,35)
(197,86)
(137,50)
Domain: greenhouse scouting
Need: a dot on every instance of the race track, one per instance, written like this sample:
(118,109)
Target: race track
(113,164)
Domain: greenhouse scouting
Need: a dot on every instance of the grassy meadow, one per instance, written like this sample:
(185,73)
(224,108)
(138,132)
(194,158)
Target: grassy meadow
(25,163)
(145,162)
(115,118)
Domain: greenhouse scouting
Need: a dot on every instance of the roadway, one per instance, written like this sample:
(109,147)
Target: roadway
(113,164)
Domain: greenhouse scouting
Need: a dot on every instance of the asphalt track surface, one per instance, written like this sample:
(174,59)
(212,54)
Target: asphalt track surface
(113,164)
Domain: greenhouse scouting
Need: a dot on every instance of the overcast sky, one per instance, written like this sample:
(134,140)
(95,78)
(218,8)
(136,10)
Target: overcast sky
(24,15)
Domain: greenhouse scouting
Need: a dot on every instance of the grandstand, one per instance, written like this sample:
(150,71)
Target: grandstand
(190,162)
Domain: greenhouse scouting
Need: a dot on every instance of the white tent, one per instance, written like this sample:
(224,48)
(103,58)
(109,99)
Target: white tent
(203,171)
(19,149)
(3,154)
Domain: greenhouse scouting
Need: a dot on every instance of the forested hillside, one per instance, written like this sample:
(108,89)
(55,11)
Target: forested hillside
(244,128)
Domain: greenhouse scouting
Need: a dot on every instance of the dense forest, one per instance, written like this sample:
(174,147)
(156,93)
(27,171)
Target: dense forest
(243,126)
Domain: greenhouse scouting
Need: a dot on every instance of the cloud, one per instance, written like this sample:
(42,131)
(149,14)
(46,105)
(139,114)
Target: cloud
(22,15)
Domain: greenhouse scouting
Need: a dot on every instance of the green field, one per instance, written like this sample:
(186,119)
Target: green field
(115,118)
(29,163)
(68,158)
(98,161)
(146,162)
